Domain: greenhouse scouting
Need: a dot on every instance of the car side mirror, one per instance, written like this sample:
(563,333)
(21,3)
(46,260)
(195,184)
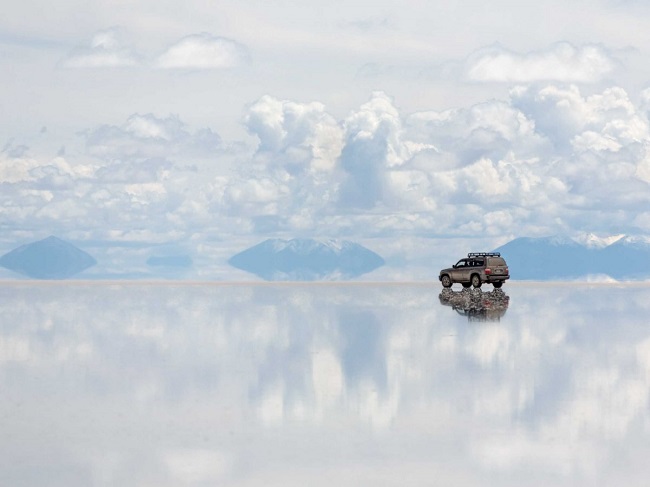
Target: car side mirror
(453,266)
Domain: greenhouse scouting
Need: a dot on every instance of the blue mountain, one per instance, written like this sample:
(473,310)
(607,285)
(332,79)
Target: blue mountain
(628,257)
(306,260)
(562,258)
(50,258)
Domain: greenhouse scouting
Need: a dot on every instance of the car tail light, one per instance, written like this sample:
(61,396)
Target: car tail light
(488,270)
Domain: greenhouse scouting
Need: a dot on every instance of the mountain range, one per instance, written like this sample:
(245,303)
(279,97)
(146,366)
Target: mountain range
(548,258)
(588,257)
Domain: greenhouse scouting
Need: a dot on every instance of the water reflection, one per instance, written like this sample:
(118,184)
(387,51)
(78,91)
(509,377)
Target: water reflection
(288,385)
(475,304)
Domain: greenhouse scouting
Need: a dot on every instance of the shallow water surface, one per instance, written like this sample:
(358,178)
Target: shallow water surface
(105,384)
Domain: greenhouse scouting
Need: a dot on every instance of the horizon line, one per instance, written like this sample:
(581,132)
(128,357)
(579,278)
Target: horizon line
(169,282)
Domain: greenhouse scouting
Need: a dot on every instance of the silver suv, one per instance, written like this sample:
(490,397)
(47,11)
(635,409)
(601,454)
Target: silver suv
(476,269)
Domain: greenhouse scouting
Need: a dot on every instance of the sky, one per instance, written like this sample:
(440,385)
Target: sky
(210,126)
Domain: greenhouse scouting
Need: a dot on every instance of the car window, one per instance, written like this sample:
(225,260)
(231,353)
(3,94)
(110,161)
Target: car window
(497,261)
(461,263)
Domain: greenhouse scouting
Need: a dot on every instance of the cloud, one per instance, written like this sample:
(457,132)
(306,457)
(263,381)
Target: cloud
(110,49)
(146,135)
(372,143)
(546,159)
(203,51)
(138,178)
(560,62)
(107,49)
(370,24)
(487,169)
(291,177)
(295,136)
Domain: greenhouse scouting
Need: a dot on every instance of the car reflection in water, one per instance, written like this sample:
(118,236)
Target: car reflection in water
(476,304)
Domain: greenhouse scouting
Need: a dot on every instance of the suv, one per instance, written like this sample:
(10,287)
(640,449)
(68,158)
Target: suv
(476,269)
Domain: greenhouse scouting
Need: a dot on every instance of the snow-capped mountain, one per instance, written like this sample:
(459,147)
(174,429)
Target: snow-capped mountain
(307,260)
(619,257)
(50,258)
(591,240)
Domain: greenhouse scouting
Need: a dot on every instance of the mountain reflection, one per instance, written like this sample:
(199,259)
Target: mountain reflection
(475,304)
(320,384)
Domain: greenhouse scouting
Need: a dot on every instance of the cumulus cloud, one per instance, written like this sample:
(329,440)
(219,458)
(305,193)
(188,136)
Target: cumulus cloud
(562,112)
(372,144)
(107,49)
(546,159)
(203,51)
(37,193)
(291,177)
(560,62)
(296,136)
(146,135)
(137,179)
(110,49)
(488,129)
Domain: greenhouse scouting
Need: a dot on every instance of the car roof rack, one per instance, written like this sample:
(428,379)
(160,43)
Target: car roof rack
(484,254)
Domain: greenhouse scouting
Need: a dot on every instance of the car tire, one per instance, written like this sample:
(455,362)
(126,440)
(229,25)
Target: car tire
(446,281)
(476,281)
(497,284)
(466,284)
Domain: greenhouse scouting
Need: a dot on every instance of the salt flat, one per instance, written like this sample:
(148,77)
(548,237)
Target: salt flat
(168,384)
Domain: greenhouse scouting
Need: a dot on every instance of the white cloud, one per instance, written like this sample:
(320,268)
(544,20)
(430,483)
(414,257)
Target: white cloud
(110,49)
(329,159)
(589,140)
(107,49)
(134,176)
(292,176)
(545,160)
(561,113)
(486,169)
(561,62)
(373,146)
(203,51)
(146,135)
(297,136)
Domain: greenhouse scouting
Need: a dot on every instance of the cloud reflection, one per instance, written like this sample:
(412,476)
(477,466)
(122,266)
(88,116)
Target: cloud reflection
(181,384)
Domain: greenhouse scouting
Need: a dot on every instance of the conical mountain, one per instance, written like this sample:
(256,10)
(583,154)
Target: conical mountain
(307,260)
(50,258)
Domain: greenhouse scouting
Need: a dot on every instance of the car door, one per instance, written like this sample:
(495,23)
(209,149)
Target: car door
(478,267)
(459,272)
(470,269)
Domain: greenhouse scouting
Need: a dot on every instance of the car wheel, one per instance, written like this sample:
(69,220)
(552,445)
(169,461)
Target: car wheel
(476,281)
(497,284)
(446,281)
(467,284)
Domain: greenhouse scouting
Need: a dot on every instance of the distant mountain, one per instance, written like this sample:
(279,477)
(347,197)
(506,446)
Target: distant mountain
(50,258)
(563,258)
(306,260)
(628,257)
